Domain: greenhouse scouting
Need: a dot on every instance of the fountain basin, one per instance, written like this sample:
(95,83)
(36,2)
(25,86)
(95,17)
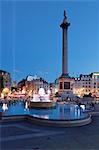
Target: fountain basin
(60,123)
(62,115)
(49,122)
(41,104)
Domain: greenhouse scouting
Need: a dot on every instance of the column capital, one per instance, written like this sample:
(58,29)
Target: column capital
(65,25)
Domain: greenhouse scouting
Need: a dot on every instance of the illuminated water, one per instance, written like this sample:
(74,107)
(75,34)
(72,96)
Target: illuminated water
(60,112)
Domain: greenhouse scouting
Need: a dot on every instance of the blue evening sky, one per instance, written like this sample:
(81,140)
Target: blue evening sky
(31,39)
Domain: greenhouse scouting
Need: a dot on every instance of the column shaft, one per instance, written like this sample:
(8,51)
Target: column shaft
(64,52)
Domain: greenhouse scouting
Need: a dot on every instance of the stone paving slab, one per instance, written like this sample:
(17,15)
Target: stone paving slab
(13,130)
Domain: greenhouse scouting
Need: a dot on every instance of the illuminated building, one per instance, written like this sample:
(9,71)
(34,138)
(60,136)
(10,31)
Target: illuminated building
(35,83)
(5,79)
(86,84)
(21,84)
(54,87)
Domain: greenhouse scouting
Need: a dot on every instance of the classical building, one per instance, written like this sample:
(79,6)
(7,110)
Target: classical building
(65,88)
(85,84)
(5,79)
(34,83)
(54,87)
(21,84)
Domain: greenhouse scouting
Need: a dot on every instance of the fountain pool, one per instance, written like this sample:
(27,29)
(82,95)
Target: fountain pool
(62,114)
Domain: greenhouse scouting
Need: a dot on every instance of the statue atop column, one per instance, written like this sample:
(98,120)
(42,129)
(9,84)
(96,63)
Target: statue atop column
(65,15)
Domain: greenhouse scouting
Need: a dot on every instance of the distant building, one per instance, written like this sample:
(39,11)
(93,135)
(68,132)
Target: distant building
(54,87)
(34,83)
(85,84)
(40,83)
(21,84)
(5,79)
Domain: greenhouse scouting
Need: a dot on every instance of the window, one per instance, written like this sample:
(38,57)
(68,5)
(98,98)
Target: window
(66,85)
(61,85)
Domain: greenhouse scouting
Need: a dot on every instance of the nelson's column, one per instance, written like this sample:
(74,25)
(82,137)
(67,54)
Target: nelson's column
(65,82)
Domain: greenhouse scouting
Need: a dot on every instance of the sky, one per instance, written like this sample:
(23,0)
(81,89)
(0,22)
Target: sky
(31,37)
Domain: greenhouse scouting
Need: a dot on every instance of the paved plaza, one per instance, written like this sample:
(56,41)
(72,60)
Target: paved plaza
(23,135)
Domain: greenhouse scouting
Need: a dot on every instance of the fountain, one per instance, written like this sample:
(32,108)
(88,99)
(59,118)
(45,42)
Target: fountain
(41,100)
(4,107)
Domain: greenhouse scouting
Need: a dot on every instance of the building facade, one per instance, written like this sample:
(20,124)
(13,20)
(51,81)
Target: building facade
(5,79)
(87,84)
(35,83)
